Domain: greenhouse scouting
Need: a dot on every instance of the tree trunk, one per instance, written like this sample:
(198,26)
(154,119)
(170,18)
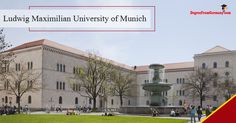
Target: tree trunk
(121,101)
(94,103)
(18,104)
(201,101)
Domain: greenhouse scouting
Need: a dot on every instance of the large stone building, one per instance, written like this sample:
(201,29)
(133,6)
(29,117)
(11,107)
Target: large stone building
(56,63)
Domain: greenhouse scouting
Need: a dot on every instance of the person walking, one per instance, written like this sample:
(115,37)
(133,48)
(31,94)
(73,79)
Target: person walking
(207,111)
(192,114)
(199,113)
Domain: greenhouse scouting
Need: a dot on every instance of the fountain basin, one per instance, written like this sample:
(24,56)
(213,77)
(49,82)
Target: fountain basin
(156,87)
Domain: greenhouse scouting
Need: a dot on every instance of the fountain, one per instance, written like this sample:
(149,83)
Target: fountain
(158,102)
(156,87)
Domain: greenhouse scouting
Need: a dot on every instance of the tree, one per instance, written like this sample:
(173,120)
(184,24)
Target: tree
(92,78)
(199,83)
(5,57)
(121,84)
(228,86)
(20,81)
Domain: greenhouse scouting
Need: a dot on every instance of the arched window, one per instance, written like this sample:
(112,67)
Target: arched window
(6,99)
(29,100)
(112,101)
(215,65)
(203,65)
(76,100)
(60,100)
(177,80)
(227,64)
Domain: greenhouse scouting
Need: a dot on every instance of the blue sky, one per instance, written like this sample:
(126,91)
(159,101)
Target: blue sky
(178,37)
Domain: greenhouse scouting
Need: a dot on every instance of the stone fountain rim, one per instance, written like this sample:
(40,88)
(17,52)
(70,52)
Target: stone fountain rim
(152,66)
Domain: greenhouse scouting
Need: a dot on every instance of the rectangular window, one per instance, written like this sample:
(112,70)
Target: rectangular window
(73,87)
(31,65)
(73,70)
(60,85)
(129,102)
(64,68)
(215,65)
(6,85)
(227,64)
(112,101)
(60,67)
(4,66)
(57,85)
(57,67)
(28,65)
(79,87)
(76,87)
(90,100)
(18,67)
(29,84)
(63,85)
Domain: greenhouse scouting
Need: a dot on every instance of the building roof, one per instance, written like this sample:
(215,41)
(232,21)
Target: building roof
(48,43)
(170,66)
(53,44)
(217,49)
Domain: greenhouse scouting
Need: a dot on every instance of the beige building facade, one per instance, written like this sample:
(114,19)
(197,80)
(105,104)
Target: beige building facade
(56,63)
